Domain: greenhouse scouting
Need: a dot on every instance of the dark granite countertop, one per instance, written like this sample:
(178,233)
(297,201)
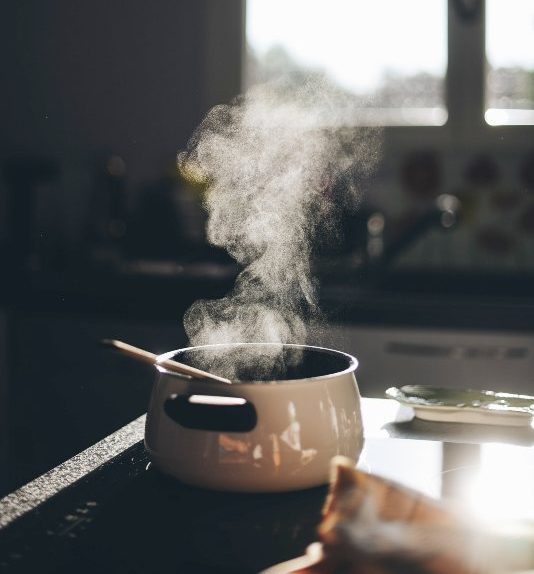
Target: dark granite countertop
(44,487)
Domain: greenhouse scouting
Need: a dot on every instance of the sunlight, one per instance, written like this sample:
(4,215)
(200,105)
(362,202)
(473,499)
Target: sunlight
(503,487)
(510,33)
(216,400)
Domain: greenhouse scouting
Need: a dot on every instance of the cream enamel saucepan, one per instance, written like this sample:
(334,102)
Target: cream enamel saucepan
(255,436)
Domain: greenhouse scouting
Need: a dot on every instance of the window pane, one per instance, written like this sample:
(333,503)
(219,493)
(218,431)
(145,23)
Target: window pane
(390,55)
(510,55)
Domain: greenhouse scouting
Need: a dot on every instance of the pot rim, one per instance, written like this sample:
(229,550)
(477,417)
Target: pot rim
(353,362)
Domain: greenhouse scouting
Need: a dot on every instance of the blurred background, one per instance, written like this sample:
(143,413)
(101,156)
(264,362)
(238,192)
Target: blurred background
(100,236)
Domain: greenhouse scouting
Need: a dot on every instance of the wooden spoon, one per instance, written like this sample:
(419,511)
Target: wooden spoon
(151,358)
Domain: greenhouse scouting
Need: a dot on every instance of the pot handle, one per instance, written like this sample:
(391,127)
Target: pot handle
(211,412)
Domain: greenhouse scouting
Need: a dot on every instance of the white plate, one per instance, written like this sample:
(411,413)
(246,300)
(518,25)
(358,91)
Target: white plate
(465,405)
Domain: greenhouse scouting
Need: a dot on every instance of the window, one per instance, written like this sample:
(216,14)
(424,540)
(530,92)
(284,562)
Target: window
(397,73)
(510,62)
(392,56)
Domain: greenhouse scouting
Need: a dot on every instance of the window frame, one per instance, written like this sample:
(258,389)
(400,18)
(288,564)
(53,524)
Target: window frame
(465,81)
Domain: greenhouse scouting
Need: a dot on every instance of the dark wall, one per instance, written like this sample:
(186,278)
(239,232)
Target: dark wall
(81,78)
(79,82)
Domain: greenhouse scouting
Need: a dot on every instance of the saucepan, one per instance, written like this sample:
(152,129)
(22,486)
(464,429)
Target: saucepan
(264,432)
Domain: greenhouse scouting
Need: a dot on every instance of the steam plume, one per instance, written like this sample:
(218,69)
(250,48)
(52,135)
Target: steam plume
(270,157)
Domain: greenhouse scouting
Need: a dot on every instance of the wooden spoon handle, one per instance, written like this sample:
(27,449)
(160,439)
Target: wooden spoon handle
(151,358)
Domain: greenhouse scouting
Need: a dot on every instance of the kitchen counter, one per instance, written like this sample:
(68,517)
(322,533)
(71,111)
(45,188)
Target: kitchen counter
(107,509)
(417,299)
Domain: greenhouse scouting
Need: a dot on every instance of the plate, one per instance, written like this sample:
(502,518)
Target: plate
(465,405)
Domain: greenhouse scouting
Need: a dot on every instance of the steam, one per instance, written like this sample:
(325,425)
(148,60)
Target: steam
(271,158)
